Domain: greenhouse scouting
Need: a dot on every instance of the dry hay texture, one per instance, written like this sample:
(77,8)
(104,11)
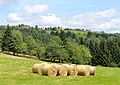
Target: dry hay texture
(49,70)
(37,68)
(92,70)
(61,70)
(83,70)
(64,69)
(72,69)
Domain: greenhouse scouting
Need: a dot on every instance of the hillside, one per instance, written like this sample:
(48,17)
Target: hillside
(78,33)
(17,71)
(73,46)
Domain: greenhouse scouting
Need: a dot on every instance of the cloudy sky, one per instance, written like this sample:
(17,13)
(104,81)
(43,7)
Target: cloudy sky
(97,15)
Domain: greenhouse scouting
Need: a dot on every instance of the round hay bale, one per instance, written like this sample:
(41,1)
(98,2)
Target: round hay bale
(61,70)
(44,63)
(49,70)
(37,68)
(83,70)
(72,69)
(92,70)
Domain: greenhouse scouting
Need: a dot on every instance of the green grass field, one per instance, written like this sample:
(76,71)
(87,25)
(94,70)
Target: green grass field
(79,33)
(17,71)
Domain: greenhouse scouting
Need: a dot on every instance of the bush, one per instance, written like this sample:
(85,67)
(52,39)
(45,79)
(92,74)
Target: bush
(119,64)
(113,64)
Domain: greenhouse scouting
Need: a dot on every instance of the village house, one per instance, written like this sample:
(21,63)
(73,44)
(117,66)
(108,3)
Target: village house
(26,26)
(73,29)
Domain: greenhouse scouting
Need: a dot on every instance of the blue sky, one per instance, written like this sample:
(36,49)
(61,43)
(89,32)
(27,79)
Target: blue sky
(97,15)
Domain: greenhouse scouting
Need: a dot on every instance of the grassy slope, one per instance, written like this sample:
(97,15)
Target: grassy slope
(82,34)
(17,71)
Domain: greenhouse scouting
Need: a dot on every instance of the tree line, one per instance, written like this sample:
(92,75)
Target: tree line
(94,48)
(34,41)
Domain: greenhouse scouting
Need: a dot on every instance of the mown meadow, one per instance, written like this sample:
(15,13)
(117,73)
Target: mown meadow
(18,71)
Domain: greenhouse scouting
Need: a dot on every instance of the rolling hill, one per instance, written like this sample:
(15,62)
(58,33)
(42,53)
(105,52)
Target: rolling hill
(17,71)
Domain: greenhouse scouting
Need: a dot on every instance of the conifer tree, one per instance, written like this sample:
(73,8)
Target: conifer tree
(31,44)
(114,49)
(62,37)
(105,61)
(24,48)
(16,46)
(7,40)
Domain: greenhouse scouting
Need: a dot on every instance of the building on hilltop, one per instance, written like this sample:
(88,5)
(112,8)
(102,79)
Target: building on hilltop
(26,26)
(61,28)
(73,29)
(23,26)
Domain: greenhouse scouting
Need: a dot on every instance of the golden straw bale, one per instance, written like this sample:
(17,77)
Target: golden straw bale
(61,70)
(83,70)
(72,69)
(49,70)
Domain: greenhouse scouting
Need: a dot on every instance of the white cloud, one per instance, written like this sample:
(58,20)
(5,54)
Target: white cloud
(92,18)
(114,31)
(2,2)
(97,21)
(8,2)
(14,17)
(105,14)
(37,9)
(33,16)
(113,25)
(50,19)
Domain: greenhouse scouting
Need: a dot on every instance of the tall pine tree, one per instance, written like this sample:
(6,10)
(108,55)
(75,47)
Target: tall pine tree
(7,40)
(16,46)
(62,37)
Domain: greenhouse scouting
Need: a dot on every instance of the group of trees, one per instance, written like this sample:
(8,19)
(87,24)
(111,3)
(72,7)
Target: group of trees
(34,41)
(80,48)
(105,51)
(104,47)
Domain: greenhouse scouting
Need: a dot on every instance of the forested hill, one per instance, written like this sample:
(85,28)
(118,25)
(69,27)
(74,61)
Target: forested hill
(80,47)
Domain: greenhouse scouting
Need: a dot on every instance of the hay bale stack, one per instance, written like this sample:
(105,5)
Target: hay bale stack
(49,70)
(44,63)
(92,70)
(61,70)
(37,68)
(83,70)
(72,69)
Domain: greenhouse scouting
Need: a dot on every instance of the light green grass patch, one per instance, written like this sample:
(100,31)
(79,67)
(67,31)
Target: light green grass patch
(18,71)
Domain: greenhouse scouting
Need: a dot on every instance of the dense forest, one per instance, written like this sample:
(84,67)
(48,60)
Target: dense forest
(64,45)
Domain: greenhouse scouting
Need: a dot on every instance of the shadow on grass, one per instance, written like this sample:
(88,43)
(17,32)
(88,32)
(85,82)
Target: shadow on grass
(32,57)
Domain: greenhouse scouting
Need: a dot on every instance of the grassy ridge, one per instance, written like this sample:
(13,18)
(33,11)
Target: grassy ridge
(80,33)
(17,71)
